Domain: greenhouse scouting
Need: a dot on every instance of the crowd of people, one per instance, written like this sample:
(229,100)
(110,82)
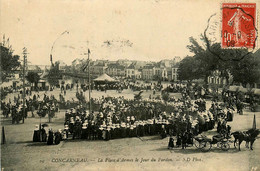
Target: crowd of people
(121,118)
(51,138)
(42,106)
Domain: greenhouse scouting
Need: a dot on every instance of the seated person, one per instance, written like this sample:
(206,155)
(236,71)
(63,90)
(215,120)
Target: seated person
(217,138)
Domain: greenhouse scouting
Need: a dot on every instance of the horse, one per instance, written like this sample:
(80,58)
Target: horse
(248,136)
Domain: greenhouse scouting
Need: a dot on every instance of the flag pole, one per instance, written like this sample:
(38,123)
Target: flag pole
(89,88)
(24,63)
(254,123)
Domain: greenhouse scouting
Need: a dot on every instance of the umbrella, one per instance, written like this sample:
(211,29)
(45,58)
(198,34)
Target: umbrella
(45,125)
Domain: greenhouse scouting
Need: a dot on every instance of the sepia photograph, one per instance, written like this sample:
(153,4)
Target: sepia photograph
(130,85)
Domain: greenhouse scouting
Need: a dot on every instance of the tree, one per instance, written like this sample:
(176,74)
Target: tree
(3,93)
(246,70)
(38,69)
(68,69)
(188,69)
(195,47)
(33,78)
(207,63)
(9,62)
(204,60)
(165,96)
(230,62)
(54,75)
(236,62)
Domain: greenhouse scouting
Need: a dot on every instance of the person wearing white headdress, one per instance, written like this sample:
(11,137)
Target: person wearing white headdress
(84,131)
(36,134)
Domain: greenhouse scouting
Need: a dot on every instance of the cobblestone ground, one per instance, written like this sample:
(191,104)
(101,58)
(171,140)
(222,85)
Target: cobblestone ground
(147,153)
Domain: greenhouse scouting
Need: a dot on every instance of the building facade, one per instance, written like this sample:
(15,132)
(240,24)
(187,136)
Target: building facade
(148,72)
(115,70)
(174,75)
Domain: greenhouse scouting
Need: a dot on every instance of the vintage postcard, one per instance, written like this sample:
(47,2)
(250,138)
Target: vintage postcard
(130,85)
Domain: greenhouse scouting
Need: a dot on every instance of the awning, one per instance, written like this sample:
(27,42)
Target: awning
(233,88)
(242,89)
(105,78)
(257,91)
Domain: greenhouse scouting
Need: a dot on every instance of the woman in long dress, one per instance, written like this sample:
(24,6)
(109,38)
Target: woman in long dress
(58,137)
(171,143)
(36,134)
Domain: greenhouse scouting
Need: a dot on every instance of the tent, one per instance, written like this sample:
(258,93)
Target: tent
(243,90)
(105,78)
(234,88)
(257,91)
(238,88)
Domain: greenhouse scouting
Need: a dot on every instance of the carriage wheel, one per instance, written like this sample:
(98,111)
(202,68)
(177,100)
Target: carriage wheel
(205,146)
(225,146)
(196,143)
(219,144)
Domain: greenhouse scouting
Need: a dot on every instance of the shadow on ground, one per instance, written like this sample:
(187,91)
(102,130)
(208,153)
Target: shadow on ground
(195,150)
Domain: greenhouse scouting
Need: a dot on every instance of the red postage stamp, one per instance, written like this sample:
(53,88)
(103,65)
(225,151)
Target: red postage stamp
(238,25)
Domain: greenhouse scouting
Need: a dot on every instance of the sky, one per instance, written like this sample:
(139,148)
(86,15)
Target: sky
(149,30)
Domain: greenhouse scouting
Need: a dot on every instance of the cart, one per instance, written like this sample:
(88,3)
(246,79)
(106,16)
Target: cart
(205,144)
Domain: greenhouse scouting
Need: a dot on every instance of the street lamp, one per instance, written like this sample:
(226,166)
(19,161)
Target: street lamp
(24,64)
(54,44)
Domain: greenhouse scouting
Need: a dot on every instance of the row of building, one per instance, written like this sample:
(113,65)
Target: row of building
(163,70)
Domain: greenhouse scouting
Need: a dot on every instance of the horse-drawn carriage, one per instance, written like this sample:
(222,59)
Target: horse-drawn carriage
(205,144)
(222,141)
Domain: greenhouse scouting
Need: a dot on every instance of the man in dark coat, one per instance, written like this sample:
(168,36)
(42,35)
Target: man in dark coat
(91,130)
(171,143)
(131,132)
(77,129)
(178,143)
(95,132)
(123,130)
(50,137)
(127,130)
(118,131)
(84,134)
(108,135)
(146,128)
(229,115)
(100,129)
(43,134)
(113,132)
(184,140)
